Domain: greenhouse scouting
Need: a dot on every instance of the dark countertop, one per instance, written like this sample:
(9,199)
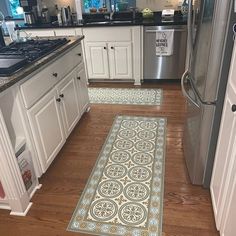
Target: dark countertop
(124,20)
(6,82)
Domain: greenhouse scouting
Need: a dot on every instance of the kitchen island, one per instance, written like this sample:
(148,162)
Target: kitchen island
(40,104)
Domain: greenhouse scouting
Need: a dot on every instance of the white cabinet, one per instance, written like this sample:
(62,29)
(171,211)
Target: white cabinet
(82,88)
(47,128)
(223,184)
(109,60)
(68,101)
(120,58)
(97,60)
(113,53)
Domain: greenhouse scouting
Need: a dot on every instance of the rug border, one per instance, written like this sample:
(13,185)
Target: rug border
(94,168)
(130,104)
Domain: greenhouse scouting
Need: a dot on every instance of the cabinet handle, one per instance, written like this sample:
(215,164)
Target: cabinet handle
(105,48)
(55,74)
(79,54)
(112,47)
(61,95)
(233,108)
(78,77)
(58,100)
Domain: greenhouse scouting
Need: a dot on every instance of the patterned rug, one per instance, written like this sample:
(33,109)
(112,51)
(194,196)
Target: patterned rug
(124,194)
(133,96)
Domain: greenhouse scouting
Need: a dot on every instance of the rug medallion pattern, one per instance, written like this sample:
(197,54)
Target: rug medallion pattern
(124,194)
(134,96)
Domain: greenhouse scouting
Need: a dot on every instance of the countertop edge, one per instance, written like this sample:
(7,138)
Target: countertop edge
(6,83)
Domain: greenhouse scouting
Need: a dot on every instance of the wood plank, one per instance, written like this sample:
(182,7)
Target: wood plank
(187,208)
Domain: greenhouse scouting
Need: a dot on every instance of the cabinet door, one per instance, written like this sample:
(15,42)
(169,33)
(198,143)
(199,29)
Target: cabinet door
(229,226)
(120,58)
(69,102)
(225,157)
(97,60)
(82,89)
(47,128)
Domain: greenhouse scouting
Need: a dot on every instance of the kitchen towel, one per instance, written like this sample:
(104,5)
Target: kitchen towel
(164,42)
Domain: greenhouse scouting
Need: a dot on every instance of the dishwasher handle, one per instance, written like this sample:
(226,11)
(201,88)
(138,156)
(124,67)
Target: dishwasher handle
(155,31)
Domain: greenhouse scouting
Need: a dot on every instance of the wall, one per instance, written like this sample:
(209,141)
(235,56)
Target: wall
(158,5)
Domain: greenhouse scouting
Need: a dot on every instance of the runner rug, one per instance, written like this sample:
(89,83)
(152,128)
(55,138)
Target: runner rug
(129,96)
(124,194)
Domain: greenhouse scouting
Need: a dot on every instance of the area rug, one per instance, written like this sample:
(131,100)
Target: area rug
(129,96)
(124,194)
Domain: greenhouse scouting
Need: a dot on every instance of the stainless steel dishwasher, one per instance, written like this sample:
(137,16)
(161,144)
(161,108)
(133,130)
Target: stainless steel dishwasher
(164,67)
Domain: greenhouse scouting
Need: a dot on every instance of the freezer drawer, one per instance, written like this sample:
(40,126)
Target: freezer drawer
(164,67)
(197,135)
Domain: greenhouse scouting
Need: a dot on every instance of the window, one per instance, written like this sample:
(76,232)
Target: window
(16,10)
(92,3)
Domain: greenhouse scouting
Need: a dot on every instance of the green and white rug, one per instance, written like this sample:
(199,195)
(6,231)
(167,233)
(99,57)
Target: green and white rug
(124,194)
(132,96)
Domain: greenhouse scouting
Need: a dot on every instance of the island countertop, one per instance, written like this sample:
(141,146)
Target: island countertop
(7,82)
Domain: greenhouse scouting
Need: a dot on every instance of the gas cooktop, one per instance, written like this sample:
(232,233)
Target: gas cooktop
(18,55)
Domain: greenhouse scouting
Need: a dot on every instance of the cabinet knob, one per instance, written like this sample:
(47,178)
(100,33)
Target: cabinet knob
(105,48)
(78,77)
(79,54)
(55,74)
(112,47)
(58,100)
(233,108)
(61,95)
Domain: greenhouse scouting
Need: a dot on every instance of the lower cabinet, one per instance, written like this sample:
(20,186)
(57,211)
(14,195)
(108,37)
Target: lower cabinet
(112,60)
(68,101)
(97,60)
(55,115)
(47,128)
(82,88)
(120,58)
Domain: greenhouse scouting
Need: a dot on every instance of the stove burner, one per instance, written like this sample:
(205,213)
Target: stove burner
(31,51)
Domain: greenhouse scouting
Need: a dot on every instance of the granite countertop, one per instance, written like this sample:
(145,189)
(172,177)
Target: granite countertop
(119,20)
(6,82)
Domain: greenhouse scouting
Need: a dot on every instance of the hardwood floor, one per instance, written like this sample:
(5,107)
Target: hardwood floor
(187,208)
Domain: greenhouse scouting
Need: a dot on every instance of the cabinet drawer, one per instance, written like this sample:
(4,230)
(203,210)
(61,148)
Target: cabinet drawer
(42,82)
(106,34)
(65,32)
(68,61)
(37,33)
(37,86)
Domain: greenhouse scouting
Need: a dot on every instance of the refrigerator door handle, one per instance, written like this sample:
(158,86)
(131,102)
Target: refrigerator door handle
(190,28)
(183,81)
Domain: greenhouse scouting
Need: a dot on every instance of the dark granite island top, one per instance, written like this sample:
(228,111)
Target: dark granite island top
(7,82)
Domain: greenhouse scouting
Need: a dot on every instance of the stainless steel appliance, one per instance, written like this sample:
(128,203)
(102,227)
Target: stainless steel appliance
(210,44)
(30,11)
(164,67)
(29,18)
(2,41)
(45,15)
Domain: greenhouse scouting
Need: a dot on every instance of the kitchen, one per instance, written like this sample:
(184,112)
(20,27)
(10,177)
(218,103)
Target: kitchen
(112,51)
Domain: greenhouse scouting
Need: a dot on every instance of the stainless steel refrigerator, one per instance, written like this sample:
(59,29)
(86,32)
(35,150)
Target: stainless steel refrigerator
(210,44)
